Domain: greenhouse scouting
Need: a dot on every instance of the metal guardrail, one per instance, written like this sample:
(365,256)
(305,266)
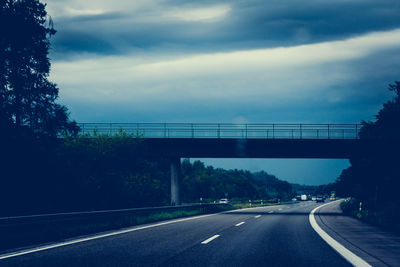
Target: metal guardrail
(224,130)
(22,231)
(13,220)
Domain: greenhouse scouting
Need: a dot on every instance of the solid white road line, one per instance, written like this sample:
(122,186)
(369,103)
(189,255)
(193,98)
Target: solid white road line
(37,249)
(209,239)
(280,209)
(257,216)
(271,211)
(344,252)
(239,224)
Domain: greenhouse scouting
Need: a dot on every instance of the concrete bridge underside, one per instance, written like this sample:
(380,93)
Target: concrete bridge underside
(262,148)
(177,148)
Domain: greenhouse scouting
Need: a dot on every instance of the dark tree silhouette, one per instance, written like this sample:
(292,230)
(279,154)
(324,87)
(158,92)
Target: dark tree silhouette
(387,124)
(375,179)
(27,97)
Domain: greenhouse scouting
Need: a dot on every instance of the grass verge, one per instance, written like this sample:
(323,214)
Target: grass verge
(387,217)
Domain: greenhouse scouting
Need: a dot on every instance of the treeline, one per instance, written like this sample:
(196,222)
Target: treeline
(207,182)
(374,180)
(313,190)
(73,174)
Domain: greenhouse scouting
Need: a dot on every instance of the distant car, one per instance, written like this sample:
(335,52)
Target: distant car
(313,198)
(223,201)
(320,199)
(274,200)
(294,199)
(332,198)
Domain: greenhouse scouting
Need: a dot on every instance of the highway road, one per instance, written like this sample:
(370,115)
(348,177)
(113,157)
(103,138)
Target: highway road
(267,236)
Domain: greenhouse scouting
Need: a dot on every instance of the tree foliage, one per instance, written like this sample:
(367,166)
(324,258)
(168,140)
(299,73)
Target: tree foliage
(204,182)
(387,124)
(27,97)
(375,179)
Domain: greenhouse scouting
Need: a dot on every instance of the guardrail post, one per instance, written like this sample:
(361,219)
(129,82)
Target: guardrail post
(301,131)
(356,135)
(219,130)
(192,130)
(329,136)
(165,130)
(273,131)
(246,131)
(110,129)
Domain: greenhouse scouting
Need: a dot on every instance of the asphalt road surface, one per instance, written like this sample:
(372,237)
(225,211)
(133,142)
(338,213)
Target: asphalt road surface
(267,236)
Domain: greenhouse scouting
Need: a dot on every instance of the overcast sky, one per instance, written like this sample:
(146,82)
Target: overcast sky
(255,61)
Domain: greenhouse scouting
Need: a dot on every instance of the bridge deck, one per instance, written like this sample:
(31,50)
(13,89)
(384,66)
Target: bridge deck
(223,140)
(260,148)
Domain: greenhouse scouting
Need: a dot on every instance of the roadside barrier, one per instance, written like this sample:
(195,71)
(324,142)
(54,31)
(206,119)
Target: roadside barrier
(22,231)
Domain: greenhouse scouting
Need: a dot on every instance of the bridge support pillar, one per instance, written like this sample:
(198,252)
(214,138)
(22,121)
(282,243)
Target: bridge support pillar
(175,181)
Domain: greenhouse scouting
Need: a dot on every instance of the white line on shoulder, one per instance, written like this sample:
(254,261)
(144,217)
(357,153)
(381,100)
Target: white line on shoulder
(344,252)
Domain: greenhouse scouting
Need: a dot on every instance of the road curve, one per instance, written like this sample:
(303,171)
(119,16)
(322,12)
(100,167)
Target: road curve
(266,236)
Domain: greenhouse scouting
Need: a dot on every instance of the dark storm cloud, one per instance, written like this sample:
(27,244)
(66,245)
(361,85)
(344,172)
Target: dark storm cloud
(248,25)
(315,20)
(75,41)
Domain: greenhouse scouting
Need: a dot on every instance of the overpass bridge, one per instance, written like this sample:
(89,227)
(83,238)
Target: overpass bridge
(224,140)
(226,130)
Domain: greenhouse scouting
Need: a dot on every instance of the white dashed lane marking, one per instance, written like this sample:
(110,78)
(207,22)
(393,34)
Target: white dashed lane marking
(209,239)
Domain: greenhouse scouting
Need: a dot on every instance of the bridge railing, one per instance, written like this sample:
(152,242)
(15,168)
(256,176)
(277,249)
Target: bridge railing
(224,130)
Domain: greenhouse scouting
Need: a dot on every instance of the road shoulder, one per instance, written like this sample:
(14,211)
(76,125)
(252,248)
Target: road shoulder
(375,246)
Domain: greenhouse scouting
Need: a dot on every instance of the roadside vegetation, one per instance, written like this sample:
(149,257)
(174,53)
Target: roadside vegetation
(374,180)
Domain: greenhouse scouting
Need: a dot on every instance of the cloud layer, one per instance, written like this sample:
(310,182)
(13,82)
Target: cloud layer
(106,27)
(290,78)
